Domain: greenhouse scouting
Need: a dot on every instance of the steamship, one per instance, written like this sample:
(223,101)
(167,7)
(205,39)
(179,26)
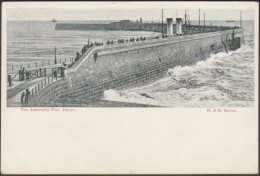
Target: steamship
(54,20)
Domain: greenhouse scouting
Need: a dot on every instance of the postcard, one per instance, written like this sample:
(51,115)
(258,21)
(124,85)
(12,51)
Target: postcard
(129,87)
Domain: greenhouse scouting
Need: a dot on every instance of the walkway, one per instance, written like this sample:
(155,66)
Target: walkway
(14,92)
(19,86)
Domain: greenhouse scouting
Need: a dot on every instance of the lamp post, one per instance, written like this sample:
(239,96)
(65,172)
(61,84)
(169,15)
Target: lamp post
(55,60)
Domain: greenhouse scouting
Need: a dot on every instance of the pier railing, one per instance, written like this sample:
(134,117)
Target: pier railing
(158,42)
(39,87)
(14,68)
(149,39)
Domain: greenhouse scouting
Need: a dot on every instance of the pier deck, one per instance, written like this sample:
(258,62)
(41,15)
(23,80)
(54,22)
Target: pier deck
(14,92)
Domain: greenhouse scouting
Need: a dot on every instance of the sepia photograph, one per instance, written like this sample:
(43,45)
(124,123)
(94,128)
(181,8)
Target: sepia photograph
(129,87)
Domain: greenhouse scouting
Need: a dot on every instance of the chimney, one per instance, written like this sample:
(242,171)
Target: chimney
(141,20)
(169,26)
(178,26)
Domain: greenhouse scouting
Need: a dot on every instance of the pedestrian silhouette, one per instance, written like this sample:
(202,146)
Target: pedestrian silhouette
(77,57)
(9,80)
(20,75)
(55,74)
(23,99)
(27,74)
(27,96)
(62,72)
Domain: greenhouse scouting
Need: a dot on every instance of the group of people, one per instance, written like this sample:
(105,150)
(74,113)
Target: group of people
(110,42)
(126,41)
(91,44)
(24,75)
(137,39)
(141,38)
(62,71)
(98,43)
(77,56)
(121,41)
(85,48)
(25,97)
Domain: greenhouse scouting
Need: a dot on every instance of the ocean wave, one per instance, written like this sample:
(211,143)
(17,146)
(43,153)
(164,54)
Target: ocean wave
(224,79)
(131,97)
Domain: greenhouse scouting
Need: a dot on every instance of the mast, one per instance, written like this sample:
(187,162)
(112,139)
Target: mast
(204,19)
(241,18)
(162,22)
(185,22)
(199,18)
(152,24)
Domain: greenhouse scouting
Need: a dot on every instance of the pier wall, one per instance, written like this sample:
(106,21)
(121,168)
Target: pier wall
(83,27)
(133,26)
(129,66)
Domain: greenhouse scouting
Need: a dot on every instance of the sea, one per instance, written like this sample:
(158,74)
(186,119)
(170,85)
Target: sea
(222,80)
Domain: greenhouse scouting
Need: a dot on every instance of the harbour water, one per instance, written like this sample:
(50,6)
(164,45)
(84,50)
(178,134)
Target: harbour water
(223,80)
(31,41)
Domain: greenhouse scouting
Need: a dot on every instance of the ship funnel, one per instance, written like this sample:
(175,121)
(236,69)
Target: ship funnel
(178,26)
(169,26)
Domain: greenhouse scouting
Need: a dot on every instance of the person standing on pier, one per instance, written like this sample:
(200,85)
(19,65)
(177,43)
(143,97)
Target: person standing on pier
(77,57)
(27,74)
(55,74)
(22,98)
(20,75)
(62,73)
(84,49)
(9,80)
(27,96)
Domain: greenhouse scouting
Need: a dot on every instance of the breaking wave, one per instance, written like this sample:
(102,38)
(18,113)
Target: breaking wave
(222,80)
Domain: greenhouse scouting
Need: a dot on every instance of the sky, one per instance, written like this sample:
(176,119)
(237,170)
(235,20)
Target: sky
(127,10)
